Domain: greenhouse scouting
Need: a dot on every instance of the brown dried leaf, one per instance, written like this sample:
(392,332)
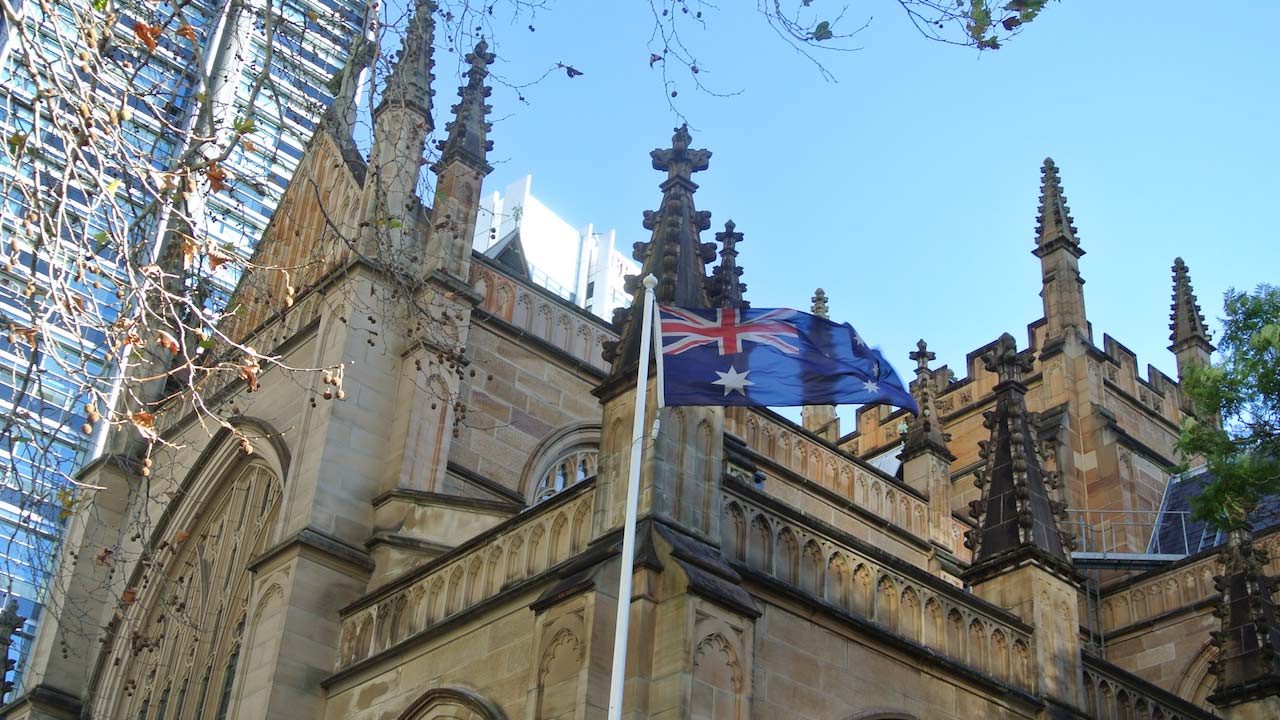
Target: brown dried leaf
(147,34)
(217,259)
(217,177)
(249,373)
(145,422)
(189,249)
(168,342)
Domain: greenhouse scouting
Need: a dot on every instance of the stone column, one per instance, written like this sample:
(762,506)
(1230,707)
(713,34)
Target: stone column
(81,592)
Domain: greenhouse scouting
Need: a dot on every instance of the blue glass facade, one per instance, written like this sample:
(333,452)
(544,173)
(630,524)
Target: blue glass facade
(41,408)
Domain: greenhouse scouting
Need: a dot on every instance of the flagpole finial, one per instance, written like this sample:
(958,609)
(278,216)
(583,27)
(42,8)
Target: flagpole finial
(650,282)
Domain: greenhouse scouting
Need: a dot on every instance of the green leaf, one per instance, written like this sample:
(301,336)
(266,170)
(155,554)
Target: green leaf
(822,31)
(1236,428)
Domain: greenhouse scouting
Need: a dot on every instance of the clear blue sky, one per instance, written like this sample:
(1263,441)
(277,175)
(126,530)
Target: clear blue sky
(908,189)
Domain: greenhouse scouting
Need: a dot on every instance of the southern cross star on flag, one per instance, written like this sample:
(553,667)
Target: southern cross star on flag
(770,357)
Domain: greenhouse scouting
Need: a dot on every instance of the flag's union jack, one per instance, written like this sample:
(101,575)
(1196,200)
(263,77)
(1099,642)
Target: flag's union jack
(683,330)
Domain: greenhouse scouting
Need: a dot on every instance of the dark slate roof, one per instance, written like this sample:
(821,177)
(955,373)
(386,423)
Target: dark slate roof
(509,253)
(1177,533)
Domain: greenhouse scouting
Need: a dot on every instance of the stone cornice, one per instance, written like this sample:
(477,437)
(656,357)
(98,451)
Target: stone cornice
(466,474)
(425,498)
(48,698)
(309,538)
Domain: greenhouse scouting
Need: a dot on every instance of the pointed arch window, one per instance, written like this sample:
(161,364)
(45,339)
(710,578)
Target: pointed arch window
(204,693)
(163,706)
(228,682)
(206,573)
(182,700)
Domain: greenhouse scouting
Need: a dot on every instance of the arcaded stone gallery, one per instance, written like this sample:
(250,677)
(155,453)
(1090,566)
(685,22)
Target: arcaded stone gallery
(432,527)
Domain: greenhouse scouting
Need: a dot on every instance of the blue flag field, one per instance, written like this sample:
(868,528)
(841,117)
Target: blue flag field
(770,357)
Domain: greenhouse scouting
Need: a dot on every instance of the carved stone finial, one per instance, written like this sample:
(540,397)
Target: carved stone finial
(680,161)
(410,80)
(724,286)
(675,253)
(1186,322)
(924,431)
(922,356)
(1053,223)
(819,306)
(467,140)
(1006,362)
(10,620)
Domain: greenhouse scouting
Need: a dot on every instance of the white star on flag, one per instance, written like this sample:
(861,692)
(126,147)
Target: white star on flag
(733,381)
(870,386)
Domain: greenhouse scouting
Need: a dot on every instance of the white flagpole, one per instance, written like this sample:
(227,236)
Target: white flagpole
(621,626)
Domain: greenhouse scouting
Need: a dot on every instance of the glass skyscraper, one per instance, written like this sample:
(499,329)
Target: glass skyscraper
(304,43)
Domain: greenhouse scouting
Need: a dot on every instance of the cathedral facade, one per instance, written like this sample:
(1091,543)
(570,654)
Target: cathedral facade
(430,528)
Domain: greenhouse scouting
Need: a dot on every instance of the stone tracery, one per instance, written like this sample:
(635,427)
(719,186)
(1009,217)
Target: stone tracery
(182,641)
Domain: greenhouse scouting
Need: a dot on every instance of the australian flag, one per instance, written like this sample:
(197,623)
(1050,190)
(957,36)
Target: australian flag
(771,357)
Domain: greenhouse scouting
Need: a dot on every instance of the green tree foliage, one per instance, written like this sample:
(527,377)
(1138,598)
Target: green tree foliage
(1243,391)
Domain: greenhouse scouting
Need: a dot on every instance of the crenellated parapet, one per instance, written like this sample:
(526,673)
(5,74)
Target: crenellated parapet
(1152,392)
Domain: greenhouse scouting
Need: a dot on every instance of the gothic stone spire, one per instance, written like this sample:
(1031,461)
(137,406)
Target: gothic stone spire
(1248,662)
(724,289)
(675,253)
(409,83)
(1053,223)
(1186,322)
(1059,251)
(467,140)
(924,431)
(1016,517)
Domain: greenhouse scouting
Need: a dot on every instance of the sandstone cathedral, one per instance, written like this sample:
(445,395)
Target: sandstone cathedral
(431,529)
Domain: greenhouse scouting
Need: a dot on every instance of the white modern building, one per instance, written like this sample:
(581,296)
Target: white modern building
(580,264)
